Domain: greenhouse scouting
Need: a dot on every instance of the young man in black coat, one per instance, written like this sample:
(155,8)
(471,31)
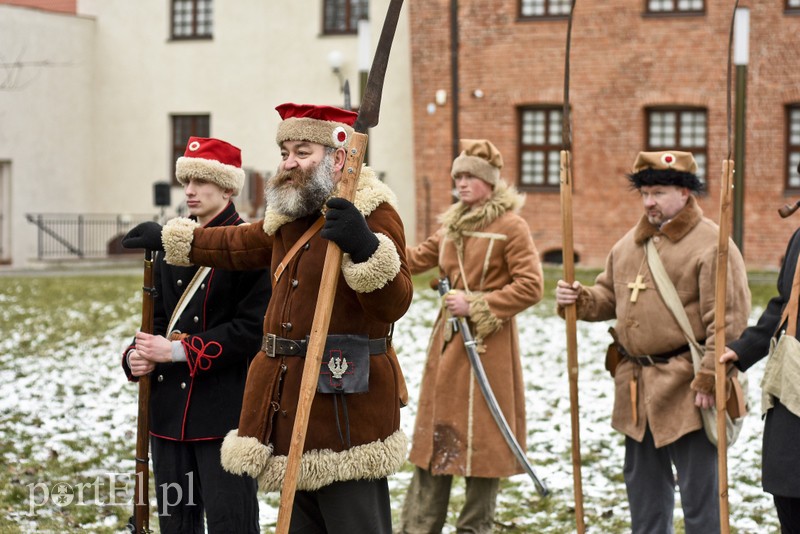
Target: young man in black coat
(207,325)
(781,455)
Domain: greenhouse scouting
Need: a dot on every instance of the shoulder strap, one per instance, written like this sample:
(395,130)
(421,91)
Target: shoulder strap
(299,243)
(187,295)
(670,296)
(790,311)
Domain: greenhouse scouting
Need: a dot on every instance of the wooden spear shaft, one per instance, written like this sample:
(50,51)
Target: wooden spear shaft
(571,316)
(719,342)
(316,342)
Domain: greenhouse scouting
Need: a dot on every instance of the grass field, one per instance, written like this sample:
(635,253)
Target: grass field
(67,414)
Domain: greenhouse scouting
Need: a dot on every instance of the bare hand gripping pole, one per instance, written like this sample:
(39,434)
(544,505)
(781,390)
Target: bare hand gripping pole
(488,394)
(367,117)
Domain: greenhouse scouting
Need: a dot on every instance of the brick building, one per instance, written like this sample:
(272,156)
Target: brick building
(645,75)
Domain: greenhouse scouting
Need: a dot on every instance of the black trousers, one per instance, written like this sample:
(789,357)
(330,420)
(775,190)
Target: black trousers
(190,481)
(357,506)
(788,514)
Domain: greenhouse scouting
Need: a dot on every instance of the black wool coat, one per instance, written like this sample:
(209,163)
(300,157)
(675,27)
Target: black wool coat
(781,454)
(201,398)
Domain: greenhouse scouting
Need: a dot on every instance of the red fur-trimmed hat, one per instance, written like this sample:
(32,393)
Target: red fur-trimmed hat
(211,160)
(325,125)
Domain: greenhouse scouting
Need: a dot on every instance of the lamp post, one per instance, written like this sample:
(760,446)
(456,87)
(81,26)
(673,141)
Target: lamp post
(741,53)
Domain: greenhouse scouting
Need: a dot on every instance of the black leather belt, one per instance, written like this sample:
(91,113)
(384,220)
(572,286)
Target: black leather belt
(279,346)
(646,360)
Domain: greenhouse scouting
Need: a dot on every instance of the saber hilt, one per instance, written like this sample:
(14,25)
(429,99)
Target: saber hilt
(444,289)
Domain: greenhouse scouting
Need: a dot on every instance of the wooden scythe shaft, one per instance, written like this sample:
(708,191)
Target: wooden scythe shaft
(141,499)
(571,316)
(319,332)
(719,342)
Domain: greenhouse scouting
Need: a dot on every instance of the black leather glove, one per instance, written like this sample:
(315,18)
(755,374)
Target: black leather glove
(145,235)
(345,226)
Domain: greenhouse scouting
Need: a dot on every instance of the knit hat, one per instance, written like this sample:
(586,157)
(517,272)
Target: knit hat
(326,125)
(665,168)
(480,158)
(211,160)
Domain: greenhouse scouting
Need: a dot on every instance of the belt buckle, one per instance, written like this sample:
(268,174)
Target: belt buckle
(268,344)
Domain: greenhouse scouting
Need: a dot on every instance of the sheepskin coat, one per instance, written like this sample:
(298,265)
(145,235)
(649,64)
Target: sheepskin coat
(369,297)
(201,398)
(455,433)
(781,457)
(687,245)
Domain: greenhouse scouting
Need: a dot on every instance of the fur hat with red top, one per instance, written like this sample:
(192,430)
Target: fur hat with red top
(479,158)
(665,168)
(211,160)
(325,125)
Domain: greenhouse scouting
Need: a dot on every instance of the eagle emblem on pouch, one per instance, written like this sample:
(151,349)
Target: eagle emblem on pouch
(338,366)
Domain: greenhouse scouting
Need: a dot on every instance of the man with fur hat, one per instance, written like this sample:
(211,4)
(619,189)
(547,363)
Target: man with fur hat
(780,402)
(658,398)
(354,441)
(205,333)
(485,248)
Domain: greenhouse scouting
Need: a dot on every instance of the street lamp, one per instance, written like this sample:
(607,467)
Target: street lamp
(741,54)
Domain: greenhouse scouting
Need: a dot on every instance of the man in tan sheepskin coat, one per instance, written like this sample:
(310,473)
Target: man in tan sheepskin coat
(486,250)
(354,441)
(658,397)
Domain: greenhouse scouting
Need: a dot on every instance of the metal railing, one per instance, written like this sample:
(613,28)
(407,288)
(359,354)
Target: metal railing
(70,235)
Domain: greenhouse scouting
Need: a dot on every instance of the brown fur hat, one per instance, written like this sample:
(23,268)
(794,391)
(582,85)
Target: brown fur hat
(480,158)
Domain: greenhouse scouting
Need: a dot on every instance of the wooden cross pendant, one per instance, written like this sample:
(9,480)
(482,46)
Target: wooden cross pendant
(636,286)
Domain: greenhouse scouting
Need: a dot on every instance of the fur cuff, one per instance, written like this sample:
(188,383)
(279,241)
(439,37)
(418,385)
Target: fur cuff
(177,237)
(244,455)
(704,382)
(486,323)
(377,271)
(319,468)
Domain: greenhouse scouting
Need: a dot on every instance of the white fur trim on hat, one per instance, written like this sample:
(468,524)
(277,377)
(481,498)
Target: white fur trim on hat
(209,170)
(326,133)
(478,167)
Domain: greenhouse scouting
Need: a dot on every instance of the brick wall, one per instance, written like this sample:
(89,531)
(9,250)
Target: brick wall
(621,62)
(61,6)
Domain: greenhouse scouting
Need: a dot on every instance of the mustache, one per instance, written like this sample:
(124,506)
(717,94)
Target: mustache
(296,175)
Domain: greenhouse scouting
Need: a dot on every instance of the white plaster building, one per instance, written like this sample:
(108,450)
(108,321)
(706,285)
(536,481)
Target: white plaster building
(89,102)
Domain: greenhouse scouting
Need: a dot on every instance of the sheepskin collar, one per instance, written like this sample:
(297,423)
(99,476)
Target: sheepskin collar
(461,218)
(370,193)
(675,229)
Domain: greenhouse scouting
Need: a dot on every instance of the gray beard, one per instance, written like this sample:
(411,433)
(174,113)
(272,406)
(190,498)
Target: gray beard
(298,201)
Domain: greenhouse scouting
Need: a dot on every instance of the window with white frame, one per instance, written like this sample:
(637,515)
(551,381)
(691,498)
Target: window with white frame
(539,147)
(544,8)
(675,6)
(792,4)
(192,19)
(680,129)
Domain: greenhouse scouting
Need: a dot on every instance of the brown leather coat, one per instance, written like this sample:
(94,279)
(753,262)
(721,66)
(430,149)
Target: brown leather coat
(687,246)
(454,432)
(369,297)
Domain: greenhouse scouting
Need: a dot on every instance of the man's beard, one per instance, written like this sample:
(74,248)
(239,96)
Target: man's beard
(305,193)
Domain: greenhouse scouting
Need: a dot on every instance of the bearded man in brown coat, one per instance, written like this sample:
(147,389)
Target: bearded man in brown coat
(354,441)
(485,248)
(658,397)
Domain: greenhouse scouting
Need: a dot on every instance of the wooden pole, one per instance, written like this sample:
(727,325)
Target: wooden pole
(316,342)
(571,316)
(719,342)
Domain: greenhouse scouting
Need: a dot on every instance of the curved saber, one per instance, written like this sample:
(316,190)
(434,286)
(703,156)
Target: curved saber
(494,407)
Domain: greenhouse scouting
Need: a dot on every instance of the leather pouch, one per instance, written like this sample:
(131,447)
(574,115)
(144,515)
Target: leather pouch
(345,365)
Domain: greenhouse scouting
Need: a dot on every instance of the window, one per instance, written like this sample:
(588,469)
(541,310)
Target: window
(192,19)
(540,147)
(680,129)
(184,127)
(792,4)
(792,146)
(675,6)
(342,16)
(544,8)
